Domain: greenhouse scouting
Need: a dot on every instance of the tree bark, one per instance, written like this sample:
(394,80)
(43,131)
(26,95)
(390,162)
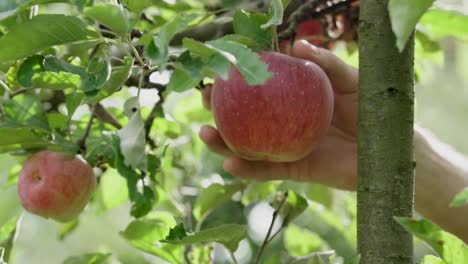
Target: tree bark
(385,139)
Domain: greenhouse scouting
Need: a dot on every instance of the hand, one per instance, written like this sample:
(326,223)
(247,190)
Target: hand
(334,161)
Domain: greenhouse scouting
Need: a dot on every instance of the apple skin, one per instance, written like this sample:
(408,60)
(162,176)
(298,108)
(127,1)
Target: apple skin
(55,185)
(281,120)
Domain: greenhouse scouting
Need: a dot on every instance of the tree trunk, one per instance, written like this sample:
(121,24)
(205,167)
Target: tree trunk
(386,162)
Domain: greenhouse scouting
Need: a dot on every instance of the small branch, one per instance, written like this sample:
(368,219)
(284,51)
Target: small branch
(157,109)
(7,246)
(18,92)
(82,141)
(267,237)
(233,257)
(103,115)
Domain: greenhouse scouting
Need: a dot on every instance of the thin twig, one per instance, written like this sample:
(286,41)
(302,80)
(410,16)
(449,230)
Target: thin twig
(82,141)
(103,115)
(267,237)
(233,257)
(18,92)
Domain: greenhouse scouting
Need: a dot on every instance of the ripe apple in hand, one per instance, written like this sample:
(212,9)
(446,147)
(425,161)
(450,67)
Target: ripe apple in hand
(55,185)
(280,120)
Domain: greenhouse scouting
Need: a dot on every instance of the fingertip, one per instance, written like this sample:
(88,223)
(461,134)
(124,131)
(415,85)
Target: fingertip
(207,133)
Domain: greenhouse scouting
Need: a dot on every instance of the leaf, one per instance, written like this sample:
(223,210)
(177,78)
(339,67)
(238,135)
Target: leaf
(247,62)
(440,23)
(145,235)
(112,190)
(56,80)
(41,32)
(404,16)
(158,49)
(213,196)
(132,137)
(249,25)
(23,110)
(142,202)
(460,199)
(429,259)
(137,5)
(112,16)
(28,68)
(100,149)
(309,242)
(315,258)
(229,235)
(276,13)
(67,228)
(449,247)
(294,206)
(117,79)
(90,258)
(428,44)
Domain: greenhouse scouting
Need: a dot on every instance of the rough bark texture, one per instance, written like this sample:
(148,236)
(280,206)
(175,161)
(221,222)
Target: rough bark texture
(386,163)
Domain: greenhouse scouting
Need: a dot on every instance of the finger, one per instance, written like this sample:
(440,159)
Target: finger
(257,170)
(213,140)
(206,96)
(343,77)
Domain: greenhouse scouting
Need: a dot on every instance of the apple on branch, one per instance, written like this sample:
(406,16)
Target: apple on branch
(55,185)
(280,120)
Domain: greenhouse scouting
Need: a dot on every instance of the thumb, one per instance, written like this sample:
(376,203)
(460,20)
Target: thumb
(343,77)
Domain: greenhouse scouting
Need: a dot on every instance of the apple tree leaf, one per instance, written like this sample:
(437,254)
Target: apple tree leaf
(213,196)
(144,234)
(461,199)
(404,16)
(450,248)
(158,49)
(89,258)
(142,200)
(41,32)
(229,235)
(293,206)
(429,259)
(112,16)
(276,13)
(439,23)
(250,25)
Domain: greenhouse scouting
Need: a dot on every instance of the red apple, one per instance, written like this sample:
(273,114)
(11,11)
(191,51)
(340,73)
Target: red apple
(55,185)
(281,120)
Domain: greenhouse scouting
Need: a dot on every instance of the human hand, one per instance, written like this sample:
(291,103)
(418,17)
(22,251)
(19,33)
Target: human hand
(334,161)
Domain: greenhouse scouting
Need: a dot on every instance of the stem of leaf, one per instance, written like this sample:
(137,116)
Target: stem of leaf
(267,237)
(233,257)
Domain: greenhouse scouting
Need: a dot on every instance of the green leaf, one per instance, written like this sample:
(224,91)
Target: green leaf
(276,13)
(315,258)
(440,23)
(429,259)
(461,199)
(132,137)
(213,196)
(137,5)
(294,206)
(448,246)
(28,68)
(229,235)
(158,49)
(309,242)
(10,7)
(56,80)
(100,149)
(41,32)
(142,201)
(247,62)
(145,234)
(112,190)
(112,16)
(117,79)
(90,258)
(404,16)
(249,25)
(24,110)
(428,44)
(67,228)
(187,74)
